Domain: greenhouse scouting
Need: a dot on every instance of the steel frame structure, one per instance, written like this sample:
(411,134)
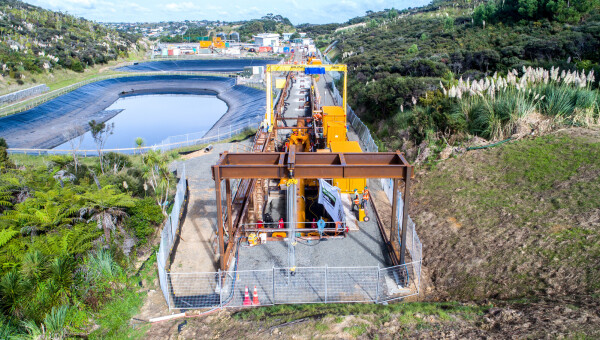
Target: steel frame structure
(269,116)
(300,165)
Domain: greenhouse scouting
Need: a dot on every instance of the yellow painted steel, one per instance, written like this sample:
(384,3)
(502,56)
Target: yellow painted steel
(335,132)
(280,83)
(361,215)
(301,67)
(333,114)
(347,185)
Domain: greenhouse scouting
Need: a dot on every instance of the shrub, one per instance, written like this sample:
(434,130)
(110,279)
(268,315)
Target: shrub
(145,215)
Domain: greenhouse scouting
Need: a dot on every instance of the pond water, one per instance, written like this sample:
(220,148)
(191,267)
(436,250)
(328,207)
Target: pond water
(156,117)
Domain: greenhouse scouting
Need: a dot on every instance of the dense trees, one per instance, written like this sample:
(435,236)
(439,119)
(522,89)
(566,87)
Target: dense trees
(35,40)
(513,10)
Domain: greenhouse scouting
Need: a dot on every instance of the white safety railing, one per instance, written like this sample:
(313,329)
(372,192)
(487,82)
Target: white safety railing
(169,143)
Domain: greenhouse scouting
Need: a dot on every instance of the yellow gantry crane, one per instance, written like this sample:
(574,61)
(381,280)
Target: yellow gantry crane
(270,116)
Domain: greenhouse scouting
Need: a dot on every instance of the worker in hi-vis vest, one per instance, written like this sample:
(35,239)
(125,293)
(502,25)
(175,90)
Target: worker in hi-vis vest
(365,197)
(356,200)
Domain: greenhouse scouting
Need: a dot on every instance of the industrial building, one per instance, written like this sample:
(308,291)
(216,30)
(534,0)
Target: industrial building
(267,39)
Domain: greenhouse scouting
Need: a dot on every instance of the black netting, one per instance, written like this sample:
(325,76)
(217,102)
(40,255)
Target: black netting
(211,65)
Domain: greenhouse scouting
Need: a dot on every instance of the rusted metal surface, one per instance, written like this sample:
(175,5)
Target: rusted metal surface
(312,165)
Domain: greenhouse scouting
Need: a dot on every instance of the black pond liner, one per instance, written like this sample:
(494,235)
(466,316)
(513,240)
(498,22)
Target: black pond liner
(44,126)
(210,65)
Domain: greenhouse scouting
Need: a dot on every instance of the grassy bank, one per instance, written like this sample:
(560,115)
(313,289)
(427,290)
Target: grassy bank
(514,221)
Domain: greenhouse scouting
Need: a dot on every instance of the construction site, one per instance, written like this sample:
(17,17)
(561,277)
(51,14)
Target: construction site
(306,211)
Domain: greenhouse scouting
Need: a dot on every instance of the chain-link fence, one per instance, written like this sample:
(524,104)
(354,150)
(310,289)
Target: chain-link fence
(413,244)
(22,94)
(169,232)
(167,144)
(284,286)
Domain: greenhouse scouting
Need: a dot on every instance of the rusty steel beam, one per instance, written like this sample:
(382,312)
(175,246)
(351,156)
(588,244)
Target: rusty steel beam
(295,118)
(294,128)
(312,165)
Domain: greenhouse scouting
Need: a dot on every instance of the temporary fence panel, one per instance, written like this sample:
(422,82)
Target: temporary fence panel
(235,283)
(358,284)
(398,282)
(300,285)
(194,290)
(168,233)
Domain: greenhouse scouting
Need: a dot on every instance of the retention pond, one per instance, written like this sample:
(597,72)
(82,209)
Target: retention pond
(156,117)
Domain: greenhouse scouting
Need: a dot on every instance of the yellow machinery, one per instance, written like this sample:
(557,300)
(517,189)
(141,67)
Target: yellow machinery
(269,116)
(314,61)
(347,185)
(215,43)
(333,114)
(335,132)
(300,138)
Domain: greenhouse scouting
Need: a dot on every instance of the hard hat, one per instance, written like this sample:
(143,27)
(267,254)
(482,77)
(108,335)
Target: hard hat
(366,187)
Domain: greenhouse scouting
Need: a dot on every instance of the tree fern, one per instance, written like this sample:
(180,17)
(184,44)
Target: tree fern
(6,235)
(69,242)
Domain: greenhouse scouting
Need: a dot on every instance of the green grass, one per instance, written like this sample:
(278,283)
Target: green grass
(114,317)
(286,313)
(356,330)
(534,200)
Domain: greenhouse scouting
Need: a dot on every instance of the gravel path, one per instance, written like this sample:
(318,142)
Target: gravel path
(195,252)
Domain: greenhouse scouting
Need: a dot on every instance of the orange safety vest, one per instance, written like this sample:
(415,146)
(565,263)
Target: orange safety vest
(356,200)
(366,196)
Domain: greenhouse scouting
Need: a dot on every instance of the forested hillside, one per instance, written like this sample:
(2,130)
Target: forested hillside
(35,40)
(400,60)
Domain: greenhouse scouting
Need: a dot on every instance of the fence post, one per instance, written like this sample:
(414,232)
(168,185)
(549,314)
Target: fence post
(326,283)
(273,281)
(377,287)
(220,285)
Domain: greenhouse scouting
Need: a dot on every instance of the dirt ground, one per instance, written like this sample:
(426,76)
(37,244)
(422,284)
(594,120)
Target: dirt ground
(564,318)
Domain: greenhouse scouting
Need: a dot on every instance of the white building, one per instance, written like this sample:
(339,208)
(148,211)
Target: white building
(267,39)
